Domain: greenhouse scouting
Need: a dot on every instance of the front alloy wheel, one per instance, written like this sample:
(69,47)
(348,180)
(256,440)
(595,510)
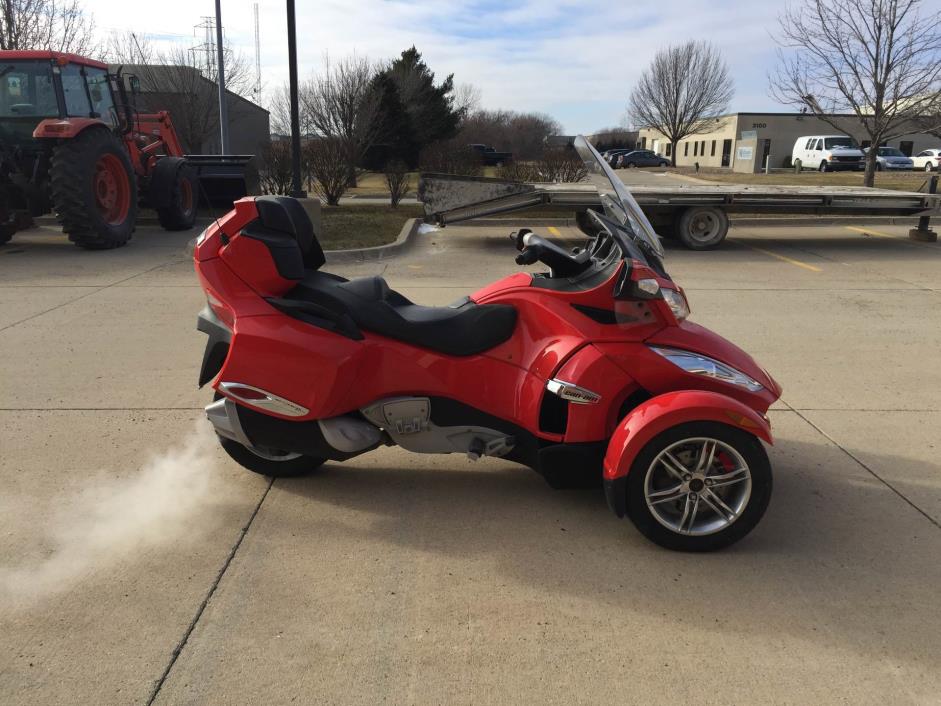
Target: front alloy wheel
(699,486)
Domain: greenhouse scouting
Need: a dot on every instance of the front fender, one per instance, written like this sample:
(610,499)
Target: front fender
(660,413)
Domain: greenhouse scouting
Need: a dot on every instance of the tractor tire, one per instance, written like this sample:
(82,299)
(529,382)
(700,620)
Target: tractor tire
(94,190)
(174,193)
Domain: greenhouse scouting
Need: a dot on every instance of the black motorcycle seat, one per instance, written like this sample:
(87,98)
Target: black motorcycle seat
(461,330)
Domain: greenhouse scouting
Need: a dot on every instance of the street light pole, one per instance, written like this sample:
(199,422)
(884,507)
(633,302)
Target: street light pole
(223,105)
(296,190)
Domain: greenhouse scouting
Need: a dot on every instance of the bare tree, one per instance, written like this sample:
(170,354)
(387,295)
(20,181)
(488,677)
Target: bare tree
(398,180)
(325,160)
(170,80)
(450,157)
(555,165)
(878,59)
(274,169)
(682,92)
(343,103)
(466,98)
(523,134)
(60,25)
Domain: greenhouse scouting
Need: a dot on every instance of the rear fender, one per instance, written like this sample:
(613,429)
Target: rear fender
(65,128)
(662,412)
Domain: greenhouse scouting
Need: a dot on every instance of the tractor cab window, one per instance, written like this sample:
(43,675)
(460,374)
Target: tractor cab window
(73,86)
(26,90)
(99,89)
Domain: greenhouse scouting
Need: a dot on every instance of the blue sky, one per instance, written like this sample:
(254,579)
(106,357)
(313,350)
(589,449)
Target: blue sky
(574,60)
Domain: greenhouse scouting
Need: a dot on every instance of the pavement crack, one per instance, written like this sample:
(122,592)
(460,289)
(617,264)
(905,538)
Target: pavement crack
(83,296)
(865,467)
(205,602)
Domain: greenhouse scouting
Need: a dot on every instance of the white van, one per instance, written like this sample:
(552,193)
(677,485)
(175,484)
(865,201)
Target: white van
(828,153)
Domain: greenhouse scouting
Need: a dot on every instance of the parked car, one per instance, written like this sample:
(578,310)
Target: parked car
(891,159)
(827,153)
(611,155)
(929,160)
(640,158)
(490,157)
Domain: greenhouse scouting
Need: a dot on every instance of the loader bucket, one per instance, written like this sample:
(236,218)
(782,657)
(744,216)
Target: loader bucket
(224,178)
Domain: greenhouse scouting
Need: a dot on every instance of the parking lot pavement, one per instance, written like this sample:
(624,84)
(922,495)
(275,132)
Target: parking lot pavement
(407,579)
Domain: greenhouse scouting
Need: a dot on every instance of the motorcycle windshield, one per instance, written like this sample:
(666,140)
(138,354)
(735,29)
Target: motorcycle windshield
(618,203)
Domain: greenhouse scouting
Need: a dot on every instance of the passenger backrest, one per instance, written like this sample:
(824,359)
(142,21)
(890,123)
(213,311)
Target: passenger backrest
(284,214)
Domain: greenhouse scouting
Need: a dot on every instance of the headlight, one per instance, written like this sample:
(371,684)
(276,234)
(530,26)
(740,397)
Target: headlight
(699,364)
(677,302)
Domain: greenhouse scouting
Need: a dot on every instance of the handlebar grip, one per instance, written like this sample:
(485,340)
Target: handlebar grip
(528,256)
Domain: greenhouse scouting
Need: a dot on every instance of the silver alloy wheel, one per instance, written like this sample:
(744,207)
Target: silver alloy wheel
(697,486)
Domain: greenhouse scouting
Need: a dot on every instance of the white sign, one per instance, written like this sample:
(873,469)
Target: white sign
(745,153)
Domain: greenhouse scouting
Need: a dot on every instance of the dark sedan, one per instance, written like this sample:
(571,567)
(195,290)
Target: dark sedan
(640,158)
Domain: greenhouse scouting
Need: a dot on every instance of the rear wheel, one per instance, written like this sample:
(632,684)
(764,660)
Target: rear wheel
(702,227)
(928,167)
(6,232)
(94,190)
(699,487)
(270,462)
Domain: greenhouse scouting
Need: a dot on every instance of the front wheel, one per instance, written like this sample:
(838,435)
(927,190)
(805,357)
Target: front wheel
(270,462)
(824,167)
(928,167)
(699,487)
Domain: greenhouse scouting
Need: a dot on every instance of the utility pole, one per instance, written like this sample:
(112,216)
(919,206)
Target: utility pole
(223,107)
(296,190)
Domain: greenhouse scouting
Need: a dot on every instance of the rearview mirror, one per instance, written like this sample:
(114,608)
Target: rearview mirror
(134,83)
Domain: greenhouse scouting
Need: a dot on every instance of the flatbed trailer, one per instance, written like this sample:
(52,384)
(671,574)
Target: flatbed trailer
(696,214)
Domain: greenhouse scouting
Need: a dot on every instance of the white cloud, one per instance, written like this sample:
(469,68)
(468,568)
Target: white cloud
(576,61)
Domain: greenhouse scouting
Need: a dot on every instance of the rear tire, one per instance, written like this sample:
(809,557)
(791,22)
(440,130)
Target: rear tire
(928,167)
(94,190)
(657,501)
(268,463)
(702,227)
(180,211)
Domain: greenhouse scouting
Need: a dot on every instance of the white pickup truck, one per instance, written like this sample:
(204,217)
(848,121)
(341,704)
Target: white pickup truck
(828,153)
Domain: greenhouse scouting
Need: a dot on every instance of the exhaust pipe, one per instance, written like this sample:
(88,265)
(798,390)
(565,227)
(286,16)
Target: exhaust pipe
(344,436)
(225,420)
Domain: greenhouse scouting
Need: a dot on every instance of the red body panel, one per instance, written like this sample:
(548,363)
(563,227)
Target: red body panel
(582,337)
(665,411)
(61,58)
(64,128)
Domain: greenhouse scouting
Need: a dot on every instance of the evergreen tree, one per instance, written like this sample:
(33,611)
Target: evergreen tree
(417,112)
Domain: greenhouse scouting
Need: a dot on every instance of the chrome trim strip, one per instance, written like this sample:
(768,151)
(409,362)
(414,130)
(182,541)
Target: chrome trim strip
(571,392)
(271,401)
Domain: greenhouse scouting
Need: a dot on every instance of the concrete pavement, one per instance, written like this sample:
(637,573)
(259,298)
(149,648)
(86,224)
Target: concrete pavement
(399,578)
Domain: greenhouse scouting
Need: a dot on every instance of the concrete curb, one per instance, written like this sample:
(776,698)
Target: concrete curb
(378,252)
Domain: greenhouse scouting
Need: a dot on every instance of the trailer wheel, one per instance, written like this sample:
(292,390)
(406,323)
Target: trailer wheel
(702,227)
(174,193)
(94,190)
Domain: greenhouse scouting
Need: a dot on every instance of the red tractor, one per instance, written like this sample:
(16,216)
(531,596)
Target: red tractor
(71,143)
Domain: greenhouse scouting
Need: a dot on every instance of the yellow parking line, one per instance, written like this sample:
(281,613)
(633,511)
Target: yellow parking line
(785,258)
(870,231)
(554,230)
